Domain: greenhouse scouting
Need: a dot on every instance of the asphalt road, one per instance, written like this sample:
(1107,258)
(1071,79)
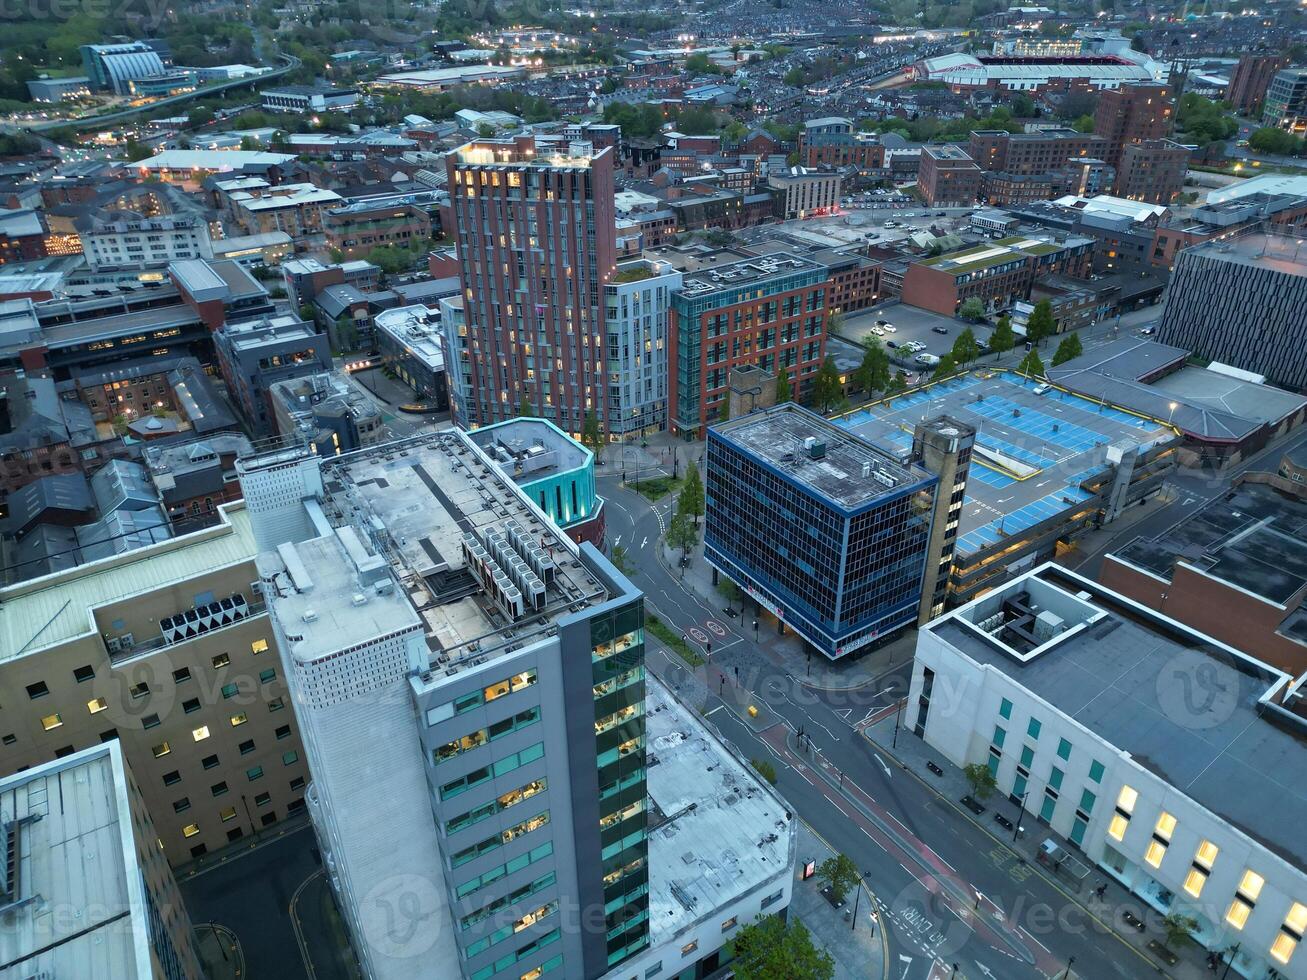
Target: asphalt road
(924,861)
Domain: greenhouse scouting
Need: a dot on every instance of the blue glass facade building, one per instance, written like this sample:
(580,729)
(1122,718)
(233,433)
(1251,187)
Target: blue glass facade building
(827,531)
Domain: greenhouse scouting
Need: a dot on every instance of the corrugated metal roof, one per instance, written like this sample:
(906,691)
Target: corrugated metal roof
(50,610)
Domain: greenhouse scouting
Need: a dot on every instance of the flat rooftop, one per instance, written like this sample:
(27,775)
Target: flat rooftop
(1253,537)
(1278,252)
(1117,676)
(986,256)
(526,449)
(716,831)
(1032,451)
(78,858)
(427,495)
(749,272)
(841,467)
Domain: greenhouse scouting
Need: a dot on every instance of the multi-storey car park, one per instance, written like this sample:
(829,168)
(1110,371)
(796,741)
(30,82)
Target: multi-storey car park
(489,757)
(1045,467)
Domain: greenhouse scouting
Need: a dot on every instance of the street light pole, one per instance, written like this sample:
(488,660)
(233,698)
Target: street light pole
(898,714)
(1021,812)
(1233,951)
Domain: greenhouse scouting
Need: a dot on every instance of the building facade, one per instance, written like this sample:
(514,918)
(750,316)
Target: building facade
(826,532)
(998,274)
(948,178)
(1131,114)
(354,230)
(1286,101)
(254,354)
(801,192)
(637,307)
(1250,79)
(770,311)
(127,240)
(1039,152)
(1152,171)
(1080,702)
(536,242)
(1240,301)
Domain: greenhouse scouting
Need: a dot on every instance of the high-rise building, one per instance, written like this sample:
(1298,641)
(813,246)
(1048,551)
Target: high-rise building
(166,649)
(1133,113)
(637,305)
(948,177)
(471,689)
(769,311)
(1250,79)
(536,242)
(88,891)
(826,531)
(1152,171)
(1157,752)
(1286,101)
(1241,301)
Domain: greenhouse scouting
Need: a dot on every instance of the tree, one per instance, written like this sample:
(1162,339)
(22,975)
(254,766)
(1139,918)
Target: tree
(783,392)
(621,559)
(524,409)
(592,437)
(840,874)
(972,309)
(1041,323)
(1083,124)
(826,388)
(1023,106)
(682,534)
(1270,139)
(1002,339)
(770,949)
(691,501)
(944,368)
(307,312)
(697,121)
(873,373)
(1069,348)
(899,381)
(965,349)
(765,769)
(1031,365)
(1179,928)
(137,151)
(981,779)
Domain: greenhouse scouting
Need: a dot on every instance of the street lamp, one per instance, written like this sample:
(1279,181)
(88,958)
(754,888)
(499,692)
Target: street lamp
(1172,415)
(1021,812)
(898,715)
(857,895)
(1067,974)
(1232,952)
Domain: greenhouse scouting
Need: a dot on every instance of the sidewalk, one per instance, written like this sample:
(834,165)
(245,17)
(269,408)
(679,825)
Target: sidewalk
(219,951)
(1108,911)
(859,948)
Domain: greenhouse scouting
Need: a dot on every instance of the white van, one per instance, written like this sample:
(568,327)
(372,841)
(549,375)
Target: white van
(1042,388)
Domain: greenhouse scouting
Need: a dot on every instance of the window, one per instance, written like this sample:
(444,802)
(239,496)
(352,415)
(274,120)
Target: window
(276,704)
(297,784)
(221,661)
(239,719)
(1154,854)
(247,746)
(1096,772)
(259,646)
(227,813)
(160,750)
(37,690)
(139,691)
(283,732)
(999,735)
(730,924)
(1283,947)
(150,721)
(290,758)
(1126,800)
(1238,912)
(83,674)
(1063,749)
(96,705)
(267,675)
(1206,855)
(230,690)
(1165,826)
(1116,828)
(209,762)
(190,830)
(1005,708)
(201,733)
(182,805)
(51,722)
(9,739)
(254,773)
(689,947)
(218,789)
(263,799)
(181,674)
(169,778)
(191,705)
(1033,728)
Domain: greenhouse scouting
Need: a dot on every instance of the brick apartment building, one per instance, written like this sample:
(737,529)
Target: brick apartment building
(833,142)
(356,229)
(1132,114)
(1152,171)
(998,274)
(1033,153)
(1250,79)
(948,177)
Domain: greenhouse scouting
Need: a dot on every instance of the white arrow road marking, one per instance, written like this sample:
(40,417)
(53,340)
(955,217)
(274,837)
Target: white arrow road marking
(644,542)
(618,541)
(888,774)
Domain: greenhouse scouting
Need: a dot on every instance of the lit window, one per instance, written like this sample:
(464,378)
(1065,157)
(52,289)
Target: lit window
(220,661)
(227,813)
(239,719)
(259,646)
(1156,851)
(1251,885)
(51,722)
(690,947)
(96,705)
(1165,825)
(190,830)
(1296,920)
(1117,827)
(1194,881)
(1207,852)
(1238,913)
(201,733)
(1283,947)
(160,750)
(1127,799)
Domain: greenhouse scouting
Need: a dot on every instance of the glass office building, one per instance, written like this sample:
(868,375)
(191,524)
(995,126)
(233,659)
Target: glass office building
(828,532)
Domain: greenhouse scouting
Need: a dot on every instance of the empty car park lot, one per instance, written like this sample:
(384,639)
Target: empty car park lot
(1032,450)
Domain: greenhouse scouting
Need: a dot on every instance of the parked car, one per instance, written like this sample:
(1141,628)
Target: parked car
(878,331)
(943,330)
(891,343)
(926,360)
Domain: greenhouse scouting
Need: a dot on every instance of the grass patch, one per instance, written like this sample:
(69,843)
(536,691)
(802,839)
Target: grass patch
(657,487)
(765,769)
(672,640)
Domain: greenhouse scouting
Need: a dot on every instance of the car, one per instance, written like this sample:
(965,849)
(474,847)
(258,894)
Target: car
(1147,331)
(943,330)
(1040,389)
(878,331)
(891,343)
(891,224)
(941,214)
(888,327)
(926,360)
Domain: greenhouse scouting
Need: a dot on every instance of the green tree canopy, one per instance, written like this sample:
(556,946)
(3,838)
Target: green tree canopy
(1269,139)
(944,368)
(826,388)
(965,349)
(770,949)
(1031,365)
(1069,348)
(1002,339)
(592,436)
(681,533)
(972,309)
(1041,323)
(783,392)
(873,373)
(840,874)
(691,501)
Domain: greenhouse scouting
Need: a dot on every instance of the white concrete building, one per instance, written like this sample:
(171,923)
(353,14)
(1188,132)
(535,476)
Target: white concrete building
(471,692)
(129,240)
(637,298)
(1172,761)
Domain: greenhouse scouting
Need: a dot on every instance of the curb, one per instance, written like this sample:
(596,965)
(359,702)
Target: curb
(1110,929)
(883,929)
